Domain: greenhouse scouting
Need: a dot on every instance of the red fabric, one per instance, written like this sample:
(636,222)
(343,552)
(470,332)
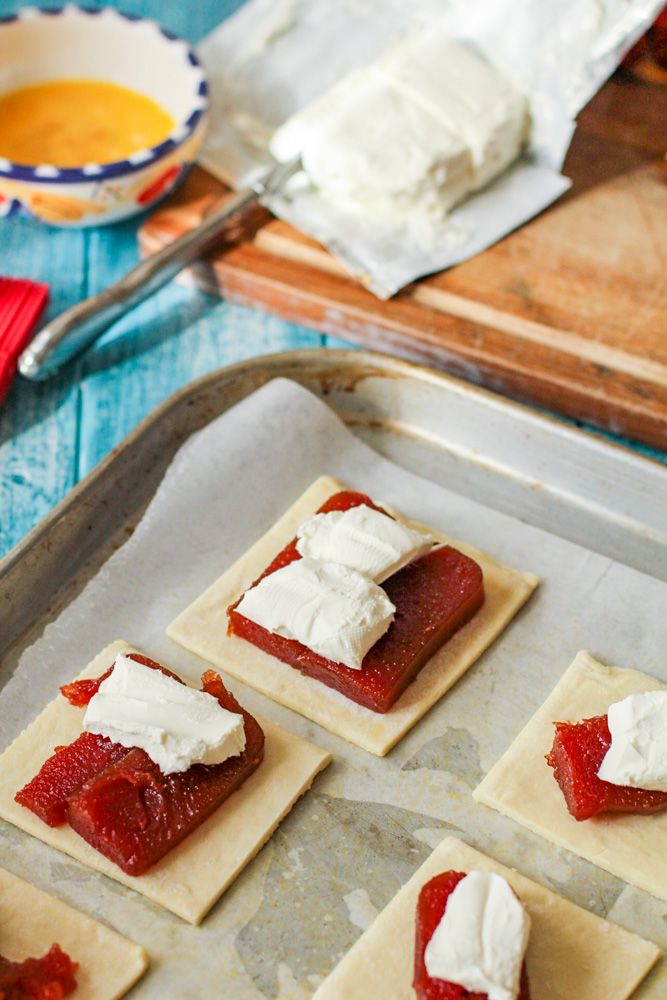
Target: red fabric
(21,304)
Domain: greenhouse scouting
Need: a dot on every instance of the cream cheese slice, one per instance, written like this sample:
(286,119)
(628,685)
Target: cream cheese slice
(481,940)
(637,756)
(176,725)
(332,609)
(363,539)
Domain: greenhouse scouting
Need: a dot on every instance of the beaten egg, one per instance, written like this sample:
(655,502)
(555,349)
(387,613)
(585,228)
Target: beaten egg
(69,123)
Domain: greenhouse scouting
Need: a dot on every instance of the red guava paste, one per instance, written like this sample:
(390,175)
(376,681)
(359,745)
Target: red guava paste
(576,755)
(431,907)
(434,596)
(48,978)
(119,800)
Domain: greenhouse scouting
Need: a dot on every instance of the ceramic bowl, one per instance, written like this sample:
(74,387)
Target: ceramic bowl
(39,45)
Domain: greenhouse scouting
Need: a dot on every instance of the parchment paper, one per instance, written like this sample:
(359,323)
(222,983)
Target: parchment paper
(274,56)
(352,841)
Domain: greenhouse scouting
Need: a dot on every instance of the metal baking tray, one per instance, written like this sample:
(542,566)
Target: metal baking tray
(507,456)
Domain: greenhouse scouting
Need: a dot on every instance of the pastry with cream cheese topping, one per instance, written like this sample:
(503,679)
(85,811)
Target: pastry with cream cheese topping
(318,607)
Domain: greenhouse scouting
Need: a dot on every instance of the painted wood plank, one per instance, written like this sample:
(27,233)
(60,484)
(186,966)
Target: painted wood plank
(179,335)
(171,339)
(39,423)
(190,20)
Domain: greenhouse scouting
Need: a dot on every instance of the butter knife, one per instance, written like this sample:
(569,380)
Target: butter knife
(66,336)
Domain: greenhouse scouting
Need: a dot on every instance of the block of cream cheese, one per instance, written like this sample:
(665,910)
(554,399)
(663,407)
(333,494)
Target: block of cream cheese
(469,96)
(364,539)
(410,135)
(367,149)
(329,608)
(176,725)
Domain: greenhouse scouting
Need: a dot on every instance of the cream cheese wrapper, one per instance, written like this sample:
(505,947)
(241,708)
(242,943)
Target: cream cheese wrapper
(202,628)
(192,876)
(32,920)
(572,954)
(522,785)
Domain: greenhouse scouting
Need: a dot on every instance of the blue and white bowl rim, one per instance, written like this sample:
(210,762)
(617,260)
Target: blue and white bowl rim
(104,171)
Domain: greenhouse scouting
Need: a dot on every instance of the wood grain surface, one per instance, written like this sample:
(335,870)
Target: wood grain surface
(569,312)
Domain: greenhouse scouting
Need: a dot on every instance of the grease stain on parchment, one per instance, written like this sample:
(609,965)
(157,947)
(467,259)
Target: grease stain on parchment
(361,911)
(456,751)
(431,836)
(303,925)
(566,874)
(290,988)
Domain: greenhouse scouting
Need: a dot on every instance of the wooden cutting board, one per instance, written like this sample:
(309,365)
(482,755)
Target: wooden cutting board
(569,312)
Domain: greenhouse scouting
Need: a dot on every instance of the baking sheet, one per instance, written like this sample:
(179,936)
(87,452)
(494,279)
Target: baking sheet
(274,56)
(225,487)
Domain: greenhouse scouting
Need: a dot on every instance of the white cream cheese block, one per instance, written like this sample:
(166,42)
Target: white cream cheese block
(367,149)
(466,94)
(410,135)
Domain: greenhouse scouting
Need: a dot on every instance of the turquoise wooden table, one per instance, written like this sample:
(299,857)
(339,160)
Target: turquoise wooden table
(51,435)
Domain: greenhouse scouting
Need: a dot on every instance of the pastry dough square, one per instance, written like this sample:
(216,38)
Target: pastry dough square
(32,920)
(521,784)
(572,954)
(189,879)
(202,628)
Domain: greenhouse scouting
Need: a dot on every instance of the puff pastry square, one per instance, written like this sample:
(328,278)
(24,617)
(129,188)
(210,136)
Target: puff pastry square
(521,784)
(32,920)
(190,879)
(572,954)
(202,628)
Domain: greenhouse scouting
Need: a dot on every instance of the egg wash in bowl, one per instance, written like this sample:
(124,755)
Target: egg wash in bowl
(101,114)
(71,122)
